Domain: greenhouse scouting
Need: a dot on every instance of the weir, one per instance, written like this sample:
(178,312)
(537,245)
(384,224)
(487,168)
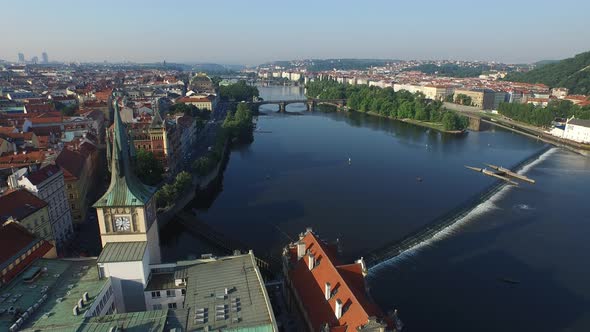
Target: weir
(431,229)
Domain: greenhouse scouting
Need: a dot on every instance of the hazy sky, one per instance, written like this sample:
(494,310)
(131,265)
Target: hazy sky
(253,31)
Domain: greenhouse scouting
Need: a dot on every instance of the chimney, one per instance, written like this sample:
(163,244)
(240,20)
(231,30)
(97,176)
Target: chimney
(80,304)
(85,297)
(300,249)
(328,291)
(338,309)
(75,311)
(311,261)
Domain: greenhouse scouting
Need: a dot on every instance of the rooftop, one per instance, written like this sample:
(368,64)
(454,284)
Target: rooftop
(19,204)
(122,252)
(347,281)
(143,321)
(59,287)
(580,122)
(161,281)
(227,293)
(16,240)
(43,174)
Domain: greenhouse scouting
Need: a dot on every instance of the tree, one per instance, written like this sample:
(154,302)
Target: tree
(147,168)
(463,99)
(66,110)
(239,91)
(182,181)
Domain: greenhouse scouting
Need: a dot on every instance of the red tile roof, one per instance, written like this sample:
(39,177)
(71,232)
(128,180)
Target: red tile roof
(38,108)
(9,160)
(72,163)
(19,204)
(43,174)
(16,240)
(347,281)
(194,100)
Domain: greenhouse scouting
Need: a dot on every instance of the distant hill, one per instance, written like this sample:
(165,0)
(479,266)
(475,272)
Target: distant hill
(347,64)
(572,73)
(451,70)
(216,69)
(545,62)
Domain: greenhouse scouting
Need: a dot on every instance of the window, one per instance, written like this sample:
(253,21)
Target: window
(71,196)
(172,305)
(183,291)
(170,293)
(155,294)
(157,307)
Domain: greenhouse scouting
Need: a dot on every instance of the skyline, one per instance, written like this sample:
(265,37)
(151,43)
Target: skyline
(255,32)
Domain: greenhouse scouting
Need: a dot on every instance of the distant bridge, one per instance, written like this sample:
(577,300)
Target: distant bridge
(310,103)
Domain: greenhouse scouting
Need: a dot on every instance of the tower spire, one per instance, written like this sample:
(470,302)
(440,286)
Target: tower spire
(125,188)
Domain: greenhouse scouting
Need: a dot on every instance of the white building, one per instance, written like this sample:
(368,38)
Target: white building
(577,130)
(48,184)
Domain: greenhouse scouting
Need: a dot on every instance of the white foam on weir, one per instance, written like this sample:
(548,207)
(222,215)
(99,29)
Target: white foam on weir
(478,210)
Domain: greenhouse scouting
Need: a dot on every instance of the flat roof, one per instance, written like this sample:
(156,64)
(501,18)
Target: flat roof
(122,252)
(143,321)
(244,307)
(161,281)
(64,282)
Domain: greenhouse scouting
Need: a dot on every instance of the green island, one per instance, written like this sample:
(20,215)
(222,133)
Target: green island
(402,105)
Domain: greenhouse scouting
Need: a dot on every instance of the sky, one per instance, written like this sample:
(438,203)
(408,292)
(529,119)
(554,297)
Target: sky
(251,32)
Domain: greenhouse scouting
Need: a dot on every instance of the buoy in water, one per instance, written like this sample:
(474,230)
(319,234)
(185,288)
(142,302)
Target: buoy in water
(419,179)
(349,161)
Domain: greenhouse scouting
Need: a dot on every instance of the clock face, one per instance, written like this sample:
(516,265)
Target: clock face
(122,224)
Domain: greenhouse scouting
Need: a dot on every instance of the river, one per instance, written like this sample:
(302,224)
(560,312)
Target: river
(296,174)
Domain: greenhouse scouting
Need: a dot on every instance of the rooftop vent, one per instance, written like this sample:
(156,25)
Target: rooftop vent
(338,309)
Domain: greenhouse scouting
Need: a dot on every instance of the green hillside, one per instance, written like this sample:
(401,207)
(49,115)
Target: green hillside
(572,73)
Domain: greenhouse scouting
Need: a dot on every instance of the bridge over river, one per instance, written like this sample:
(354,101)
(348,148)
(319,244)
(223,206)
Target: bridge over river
(310,103)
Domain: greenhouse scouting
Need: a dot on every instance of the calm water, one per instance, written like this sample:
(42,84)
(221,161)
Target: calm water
(296,174)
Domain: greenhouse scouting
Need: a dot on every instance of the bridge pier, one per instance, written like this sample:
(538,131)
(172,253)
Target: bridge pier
(282,107)
(474,124)
(310,106)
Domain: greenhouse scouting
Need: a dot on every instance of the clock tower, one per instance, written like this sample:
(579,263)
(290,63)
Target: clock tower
(127,211)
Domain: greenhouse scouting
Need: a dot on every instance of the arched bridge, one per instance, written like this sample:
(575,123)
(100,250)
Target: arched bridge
(310,103)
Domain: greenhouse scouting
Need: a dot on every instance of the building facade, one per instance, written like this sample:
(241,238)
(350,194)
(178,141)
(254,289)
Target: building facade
(79,168)
(48,184)
(29,211)
(577,130)
(480,98)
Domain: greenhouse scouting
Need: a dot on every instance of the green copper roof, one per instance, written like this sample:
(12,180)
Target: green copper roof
(122,252)
(125,188)
(144,321)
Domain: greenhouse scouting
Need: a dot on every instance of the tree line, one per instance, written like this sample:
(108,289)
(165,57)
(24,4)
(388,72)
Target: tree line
(543,116)
(387,102)
(237,127)
(239,91)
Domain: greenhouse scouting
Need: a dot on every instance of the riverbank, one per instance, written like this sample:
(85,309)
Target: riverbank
(521,128)
(198,183)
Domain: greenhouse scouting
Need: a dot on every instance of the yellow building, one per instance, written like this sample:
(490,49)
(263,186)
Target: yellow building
(29,211)
(203,103)
(480,98)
